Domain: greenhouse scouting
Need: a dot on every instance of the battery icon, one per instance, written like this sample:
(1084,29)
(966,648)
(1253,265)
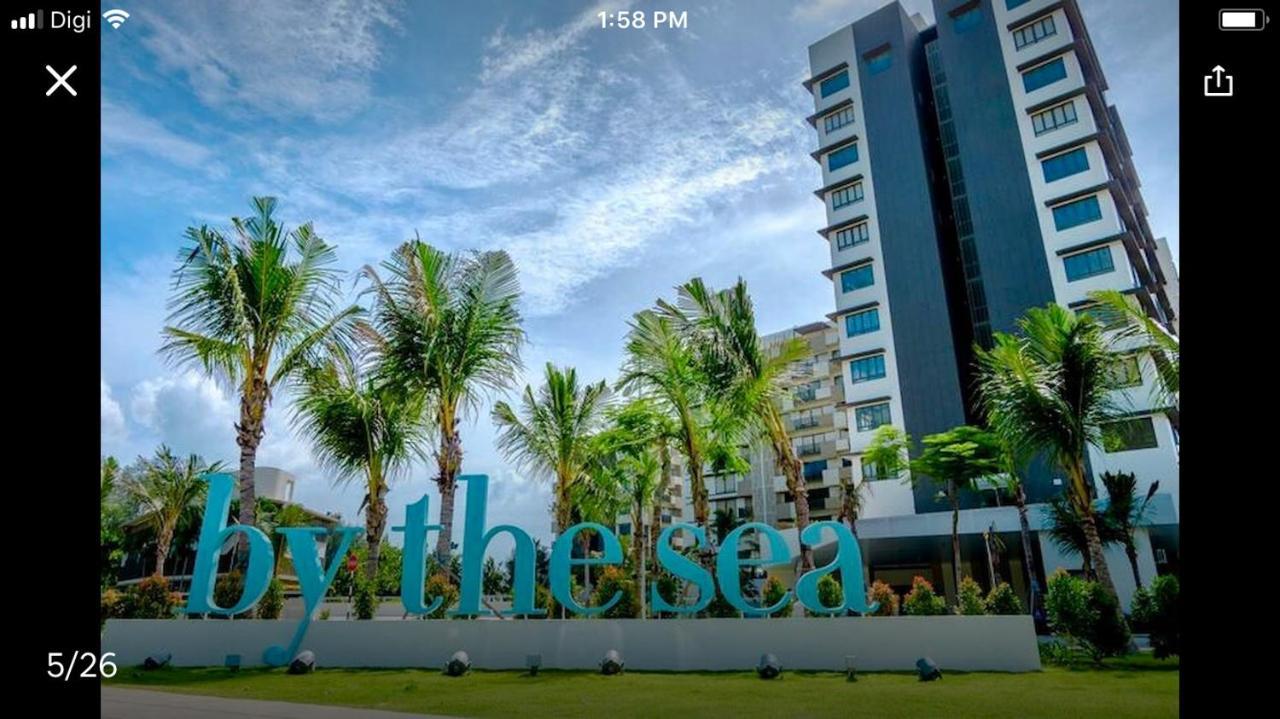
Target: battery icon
(1242,19)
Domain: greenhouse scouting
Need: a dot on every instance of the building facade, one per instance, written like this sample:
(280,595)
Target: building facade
(971,170)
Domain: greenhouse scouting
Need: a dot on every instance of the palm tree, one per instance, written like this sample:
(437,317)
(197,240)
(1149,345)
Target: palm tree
(275,515)
(1012,481)
(1049,390)
(450,331)
(1125,512)
(361,428)
(166,487)
(1066,531)
(251,309)
(748,377)
(1152,337)
(551,435)
(957,459)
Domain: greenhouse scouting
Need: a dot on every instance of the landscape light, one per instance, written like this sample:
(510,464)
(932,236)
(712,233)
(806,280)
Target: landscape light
(928,669)
(458,665)
(155,661)
(532,662)
(612,663)
(304,663)
(769,666)
(232,662)
(850,673)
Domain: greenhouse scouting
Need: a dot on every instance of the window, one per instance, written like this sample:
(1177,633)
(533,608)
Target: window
(1054,117)
(813,470)
(1126,372)
(846,155)
(850,236)
(807,392)
(808,447)
(805,420)
(1065,165)
(1034,32)
(872,472)
(856,279)
(1088,264)
(969,18)
(834,84)
(848,194)
(1043,75)
(867,368)
(624,528)
(871,416)
(1076,213)
(838,119)
(1011,4)
(860,323)
(879,62)
(1129,434)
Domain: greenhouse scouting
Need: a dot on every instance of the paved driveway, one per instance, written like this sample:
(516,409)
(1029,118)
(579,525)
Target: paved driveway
(120,703)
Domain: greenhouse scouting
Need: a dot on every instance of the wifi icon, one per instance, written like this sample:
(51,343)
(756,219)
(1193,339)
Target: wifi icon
(115,17)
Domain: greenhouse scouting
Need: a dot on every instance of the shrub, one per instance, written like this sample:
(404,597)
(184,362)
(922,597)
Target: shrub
(615,579)
(1055,651)
(1086,616)
(720,607)
(272,602)
(151,599)
(112,606)
(830,594)
(1003,600)
(227,590)
(970,598)
(921,600)
(365,601)
(774,591)
(1142,608)
(324,615)
(884,594)
(438,585)
(1160,616)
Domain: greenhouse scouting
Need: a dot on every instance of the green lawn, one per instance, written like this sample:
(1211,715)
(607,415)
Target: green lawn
(1135,687)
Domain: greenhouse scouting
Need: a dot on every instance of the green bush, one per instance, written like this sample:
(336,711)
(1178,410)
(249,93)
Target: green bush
(721,608)
(1087,616)
(612,580)
(884,594)
(970,598)
(151,599)
(1003,600)
(830,594)
(272,602)
(112,606)
(921,600)
(1162,617)
(774,591)
(365,601)
(1055,651)
(1141,610)
(438,585)
(227,590)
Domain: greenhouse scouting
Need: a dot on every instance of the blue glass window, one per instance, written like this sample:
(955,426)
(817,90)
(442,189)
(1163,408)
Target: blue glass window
(857,278)
(846,195)
(834,84)
(871,416)
(968,19)
(867,368)
(879,62)
(1065,165)
(850,236)
(860,323)
(1045,74)
(1088,264)
(846,155)
(1077,213)
(813,470)
(1011,4)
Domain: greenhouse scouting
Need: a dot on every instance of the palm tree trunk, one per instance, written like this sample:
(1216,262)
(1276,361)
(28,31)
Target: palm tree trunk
(792,470)
(449,461)
(586,568)
(164,538)
(1132,551)
(1084,504)
(249,431)
(642,536)
(375,522)
(1033,580)
(955,538)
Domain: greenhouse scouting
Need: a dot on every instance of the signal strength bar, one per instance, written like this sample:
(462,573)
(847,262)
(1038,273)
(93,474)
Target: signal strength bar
(30,21)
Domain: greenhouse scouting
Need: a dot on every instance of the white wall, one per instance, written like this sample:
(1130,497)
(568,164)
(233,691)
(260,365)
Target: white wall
(1117,564)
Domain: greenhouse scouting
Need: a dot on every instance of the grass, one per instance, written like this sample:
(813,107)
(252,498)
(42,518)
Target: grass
(1138,686)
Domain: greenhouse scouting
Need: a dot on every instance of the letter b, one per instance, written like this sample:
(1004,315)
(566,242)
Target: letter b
(214,533)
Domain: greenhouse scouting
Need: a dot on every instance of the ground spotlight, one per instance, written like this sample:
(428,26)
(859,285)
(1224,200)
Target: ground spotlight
(304,663)
(769,666)
(612,663)
(232,662)
(928,669)
(850,671)
(155,661)
(458,665)
(533,662)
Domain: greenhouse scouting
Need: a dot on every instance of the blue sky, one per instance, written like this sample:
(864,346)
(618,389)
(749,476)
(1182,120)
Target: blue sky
(612,164)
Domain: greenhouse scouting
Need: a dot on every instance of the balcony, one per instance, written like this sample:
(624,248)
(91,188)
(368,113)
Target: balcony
(809,449)
(806,422)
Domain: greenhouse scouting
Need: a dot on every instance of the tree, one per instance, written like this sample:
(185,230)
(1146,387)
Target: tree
(272,516)
(361,427)
(1125,512)
(724,523)
(495,582)
(1150,336)
(957,459)
(1012,481)
(551,434)
(749,377)
(1048,390)
(250,309)
(165,488)
(450,331)
(112,516)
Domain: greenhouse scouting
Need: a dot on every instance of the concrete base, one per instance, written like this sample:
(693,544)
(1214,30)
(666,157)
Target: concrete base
(1005,643)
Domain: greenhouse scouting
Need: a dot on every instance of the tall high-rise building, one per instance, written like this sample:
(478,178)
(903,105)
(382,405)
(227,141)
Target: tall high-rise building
(971,170)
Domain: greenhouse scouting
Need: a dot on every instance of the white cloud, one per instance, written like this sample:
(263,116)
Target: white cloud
(282,58)
(111,418)
(125,130)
